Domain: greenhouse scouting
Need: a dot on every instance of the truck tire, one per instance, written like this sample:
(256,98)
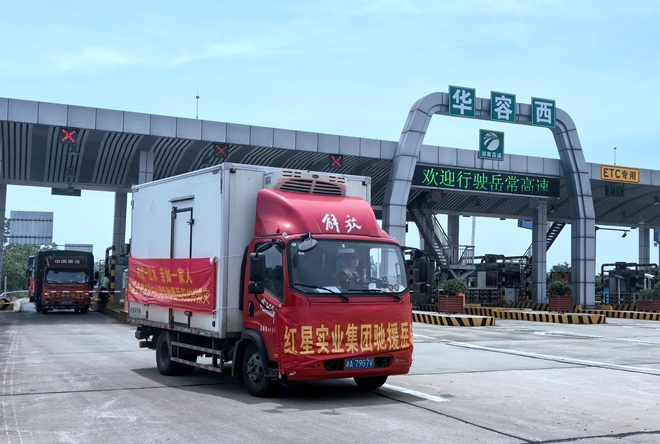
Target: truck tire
(370,382)
(84,310)
(37,304)
(164,361)
(254,374)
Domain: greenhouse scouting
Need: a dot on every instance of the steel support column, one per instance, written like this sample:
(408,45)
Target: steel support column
(453,230)
(644,246)
(539,229)
(146,170)
(119,225)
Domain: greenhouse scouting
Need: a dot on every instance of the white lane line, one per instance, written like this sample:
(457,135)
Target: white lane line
(417,335)
(415,393)
(579,335)
(650,371)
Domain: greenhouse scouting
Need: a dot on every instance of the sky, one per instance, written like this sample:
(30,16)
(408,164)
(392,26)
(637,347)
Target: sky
(351,68)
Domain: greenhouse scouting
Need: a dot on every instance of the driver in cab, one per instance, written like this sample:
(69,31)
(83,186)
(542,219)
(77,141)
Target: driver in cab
(349,276)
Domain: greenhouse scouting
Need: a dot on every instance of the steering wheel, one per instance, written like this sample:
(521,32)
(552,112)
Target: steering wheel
(379,282)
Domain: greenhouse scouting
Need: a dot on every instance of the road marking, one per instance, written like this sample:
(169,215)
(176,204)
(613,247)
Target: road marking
(415,393)
(579,335)
(649,371)
(417,335)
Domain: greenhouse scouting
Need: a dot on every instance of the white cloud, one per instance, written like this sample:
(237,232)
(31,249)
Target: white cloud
(101,59)
(91,59)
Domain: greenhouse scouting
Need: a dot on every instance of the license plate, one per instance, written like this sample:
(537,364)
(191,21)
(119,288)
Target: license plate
(358,363)
(66,302)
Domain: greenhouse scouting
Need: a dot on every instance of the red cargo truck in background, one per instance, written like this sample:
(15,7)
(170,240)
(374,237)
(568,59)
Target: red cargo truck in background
(61,279)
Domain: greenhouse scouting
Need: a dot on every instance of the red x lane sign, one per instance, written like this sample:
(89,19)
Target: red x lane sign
(335,160)
(69,136)
(220,150)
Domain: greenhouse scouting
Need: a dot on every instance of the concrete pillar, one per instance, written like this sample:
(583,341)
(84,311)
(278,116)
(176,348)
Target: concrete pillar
(644,246)
(3,203)
(453,229)
(119,225)
(539,230)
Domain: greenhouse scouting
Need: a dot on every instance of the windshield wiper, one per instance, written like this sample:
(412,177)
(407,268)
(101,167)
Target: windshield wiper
(375,290)
(329,290)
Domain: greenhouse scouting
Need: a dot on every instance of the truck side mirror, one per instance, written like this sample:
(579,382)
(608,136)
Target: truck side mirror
(257,267)
(423,269)
(256,288)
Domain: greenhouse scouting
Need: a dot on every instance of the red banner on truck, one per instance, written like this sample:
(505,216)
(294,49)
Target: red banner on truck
(306,338)
(183,284)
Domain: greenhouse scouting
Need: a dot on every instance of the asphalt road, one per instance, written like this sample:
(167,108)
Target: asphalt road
(72,378)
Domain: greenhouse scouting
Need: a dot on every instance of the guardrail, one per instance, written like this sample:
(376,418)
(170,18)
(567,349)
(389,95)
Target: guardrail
(14,293)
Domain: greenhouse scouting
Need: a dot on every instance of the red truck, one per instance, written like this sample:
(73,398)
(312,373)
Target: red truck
(284,274)
(62,279)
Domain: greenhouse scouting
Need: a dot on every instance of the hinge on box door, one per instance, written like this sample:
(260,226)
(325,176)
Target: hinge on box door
(190,221)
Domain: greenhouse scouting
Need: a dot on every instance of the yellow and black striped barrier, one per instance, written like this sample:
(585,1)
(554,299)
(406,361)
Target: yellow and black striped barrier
(555,318)
(453,320)
(639,315)
(5,303)
(487,311)
(532,306)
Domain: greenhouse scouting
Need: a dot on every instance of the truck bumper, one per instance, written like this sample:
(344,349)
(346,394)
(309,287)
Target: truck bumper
(385,364)
(63,305)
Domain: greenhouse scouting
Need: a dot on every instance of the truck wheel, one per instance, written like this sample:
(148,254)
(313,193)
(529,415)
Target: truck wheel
(254,374)
(371,382)
(37,305)
(164,361)
(84,310)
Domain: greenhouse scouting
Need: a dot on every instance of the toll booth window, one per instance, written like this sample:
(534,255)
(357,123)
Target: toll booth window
(491,279)
(274,282)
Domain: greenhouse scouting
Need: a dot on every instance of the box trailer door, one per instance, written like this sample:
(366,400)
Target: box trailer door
(181,237)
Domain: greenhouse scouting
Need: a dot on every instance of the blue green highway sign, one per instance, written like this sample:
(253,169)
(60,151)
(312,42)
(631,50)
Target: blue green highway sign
(462,101)
(491,145)
(502,107)
(543,112)
(485,181)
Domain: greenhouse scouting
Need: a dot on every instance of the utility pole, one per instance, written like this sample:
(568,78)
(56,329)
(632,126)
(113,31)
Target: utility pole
(197,110)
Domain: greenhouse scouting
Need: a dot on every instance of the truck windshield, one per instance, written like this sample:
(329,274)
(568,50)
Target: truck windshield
(356,268)
(66,277)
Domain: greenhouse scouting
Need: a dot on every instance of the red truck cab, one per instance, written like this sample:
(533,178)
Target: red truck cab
(332,302)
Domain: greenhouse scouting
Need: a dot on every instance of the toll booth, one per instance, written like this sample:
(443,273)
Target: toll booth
(622,281)
(498,281)
(421,293)
(116,270)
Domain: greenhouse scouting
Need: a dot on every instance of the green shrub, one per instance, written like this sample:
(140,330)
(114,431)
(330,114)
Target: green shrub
(647,294)
(559,288)
(453,286)
(656,289)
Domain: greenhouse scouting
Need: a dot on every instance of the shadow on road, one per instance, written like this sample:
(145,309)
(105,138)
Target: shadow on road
(299,395)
